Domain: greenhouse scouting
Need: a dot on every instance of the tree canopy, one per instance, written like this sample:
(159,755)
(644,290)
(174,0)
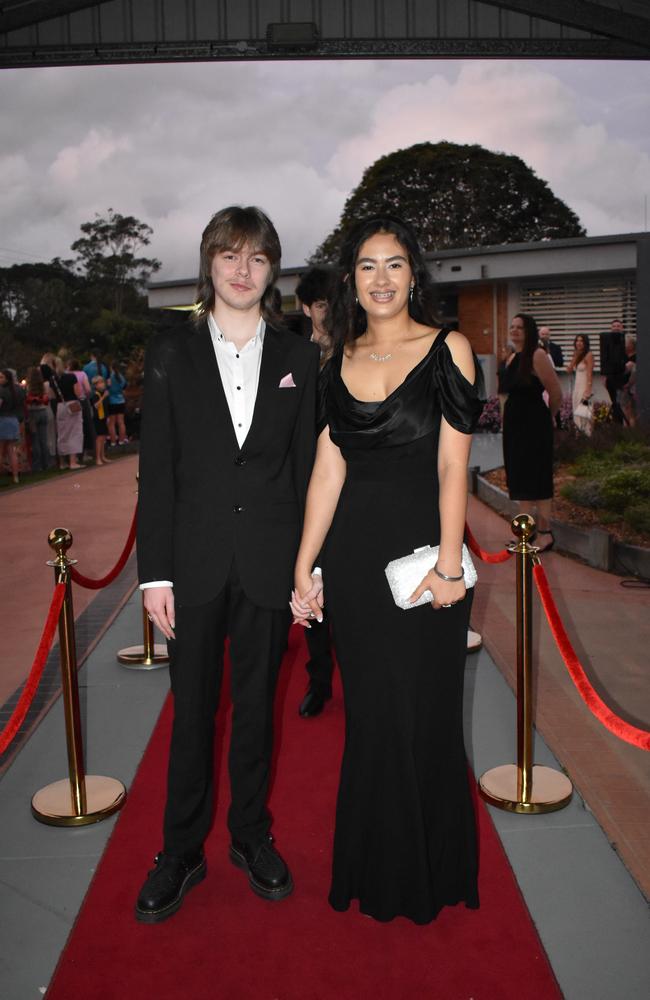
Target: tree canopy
(456,196)
(107,252)
(94,302)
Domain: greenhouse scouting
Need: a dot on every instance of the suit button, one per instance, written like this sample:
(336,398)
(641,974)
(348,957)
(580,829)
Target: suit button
(237,509)
(240,461)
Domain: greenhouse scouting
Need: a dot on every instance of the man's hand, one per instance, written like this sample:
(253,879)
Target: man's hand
(159,605)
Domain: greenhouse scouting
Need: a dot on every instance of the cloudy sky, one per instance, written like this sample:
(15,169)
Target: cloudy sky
(171,144)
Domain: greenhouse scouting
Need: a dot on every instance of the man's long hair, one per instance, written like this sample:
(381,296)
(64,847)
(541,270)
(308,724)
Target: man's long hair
(231,229)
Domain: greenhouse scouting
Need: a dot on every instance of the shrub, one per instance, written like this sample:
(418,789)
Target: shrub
(591,464)
(637,517)
(586,493)
(630,452)
(626,488)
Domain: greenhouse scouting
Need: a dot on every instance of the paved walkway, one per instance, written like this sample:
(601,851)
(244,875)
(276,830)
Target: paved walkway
(609,627)
(584,904)
(96,505)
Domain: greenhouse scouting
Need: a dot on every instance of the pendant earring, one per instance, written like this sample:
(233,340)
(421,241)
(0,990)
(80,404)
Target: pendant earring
(411,293)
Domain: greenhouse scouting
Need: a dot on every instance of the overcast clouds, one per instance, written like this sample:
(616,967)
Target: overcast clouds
(171,144)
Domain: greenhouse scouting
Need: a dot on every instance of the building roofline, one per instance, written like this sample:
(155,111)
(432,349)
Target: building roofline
(572,241)
(563,244)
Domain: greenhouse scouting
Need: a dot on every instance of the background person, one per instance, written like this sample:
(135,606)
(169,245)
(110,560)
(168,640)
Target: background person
(612,366)
(69,421)
(582,365)
(116,383)
(99,403)
(12,414)
(399,403)
(552,349)
(528,424)
(37,404)
(314,291)
(628,392)
(79,373)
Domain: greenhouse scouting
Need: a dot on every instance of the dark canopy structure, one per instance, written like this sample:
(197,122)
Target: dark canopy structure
(69,32)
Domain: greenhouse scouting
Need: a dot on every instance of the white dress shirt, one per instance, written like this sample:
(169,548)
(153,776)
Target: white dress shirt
(240,375)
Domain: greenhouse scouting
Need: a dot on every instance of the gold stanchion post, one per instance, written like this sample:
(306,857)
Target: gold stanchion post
(81,798)
(148,656)
(525,787)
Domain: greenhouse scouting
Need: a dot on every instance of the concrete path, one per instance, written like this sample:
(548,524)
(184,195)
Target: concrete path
(97,505)
(590,914)
(609,627)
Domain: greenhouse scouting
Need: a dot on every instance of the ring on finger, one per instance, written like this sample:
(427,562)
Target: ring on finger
(445,605)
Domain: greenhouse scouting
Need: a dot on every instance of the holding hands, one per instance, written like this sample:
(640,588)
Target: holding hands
(307,598)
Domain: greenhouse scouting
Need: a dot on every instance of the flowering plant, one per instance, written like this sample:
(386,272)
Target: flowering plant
(490,419)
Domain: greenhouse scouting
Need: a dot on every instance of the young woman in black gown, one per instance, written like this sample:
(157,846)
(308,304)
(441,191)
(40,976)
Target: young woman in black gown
(399,402)
(528,424)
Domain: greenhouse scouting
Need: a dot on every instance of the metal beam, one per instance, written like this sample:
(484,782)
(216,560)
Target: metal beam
(23,13)
(243,50)
(585,15)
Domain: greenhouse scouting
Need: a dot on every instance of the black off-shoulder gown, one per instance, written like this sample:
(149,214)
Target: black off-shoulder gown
(405,841)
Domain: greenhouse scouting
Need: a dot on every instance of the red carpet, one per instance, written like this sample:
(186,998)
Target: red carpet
(226,944)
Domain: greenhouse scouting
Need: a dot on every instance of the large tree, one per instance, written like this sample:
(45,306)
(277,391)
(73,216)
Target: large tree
(457,196)
(107,254)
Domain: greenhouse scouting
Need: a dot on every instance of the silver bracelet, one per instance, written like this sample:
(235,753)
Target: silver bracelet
(449,579)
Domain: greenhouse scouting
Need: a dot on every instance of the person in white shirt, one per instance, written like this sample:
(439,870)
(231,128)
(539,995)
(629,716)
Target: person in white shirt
(219,517)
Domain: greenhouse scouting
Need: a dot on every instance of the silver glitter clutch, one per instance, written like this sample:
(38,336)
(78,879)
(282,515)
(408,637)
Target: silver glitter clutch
(404,574)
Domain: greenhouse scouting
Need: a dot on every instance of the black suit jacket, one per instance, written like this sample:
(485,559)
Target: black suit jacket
(204,501)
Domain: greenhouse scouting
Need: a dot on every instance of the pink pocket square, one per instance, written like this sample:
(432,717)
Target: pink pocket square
(287,382)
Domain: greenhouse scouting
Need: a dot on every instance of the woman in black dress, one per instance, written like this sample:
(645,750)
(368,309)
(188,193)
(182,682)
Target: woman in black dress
(399,402)
(528,424)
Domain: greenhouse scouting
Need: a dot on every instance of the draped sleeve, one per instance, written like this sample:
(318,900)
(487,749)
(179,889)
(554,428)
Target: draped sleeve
(461,402)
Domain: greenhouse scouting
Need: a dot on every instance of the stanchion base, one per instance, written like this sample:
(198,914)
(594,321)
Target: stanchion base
(474,641)
(53,804)
(133,657)
(551,789)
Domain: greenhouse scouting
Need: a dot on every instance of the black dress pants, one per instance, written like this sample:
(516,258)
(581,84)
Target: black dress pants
(320,665)
(258,639)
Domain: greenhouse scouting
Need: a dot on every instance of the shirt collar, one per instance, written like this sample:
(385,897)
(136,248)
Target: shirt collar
(218,336)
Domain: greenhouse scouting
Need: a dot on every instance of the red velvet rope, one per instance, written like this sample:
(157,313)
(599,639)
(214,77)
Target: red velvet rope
(32,682)
(488,557)
(624,730)
(89,583)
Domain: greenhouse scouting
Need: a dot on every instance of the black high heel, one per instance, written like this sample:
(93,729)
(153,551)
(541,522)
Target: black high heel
(547,548)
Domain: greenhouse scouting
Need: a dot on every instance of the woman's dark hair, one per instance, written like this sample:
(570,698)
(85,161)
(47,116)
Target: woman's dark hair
(11,385)
(346,319)
(231,229)
(579,355)
(35,381)
(531,343)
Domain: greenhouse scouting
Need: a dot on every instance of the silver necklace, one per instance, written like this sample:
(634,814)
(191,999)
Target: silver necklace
(380,357)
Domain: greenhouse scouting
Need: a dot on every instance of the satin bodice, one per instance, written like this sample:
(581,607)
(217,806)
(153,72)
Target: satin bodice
(435,387)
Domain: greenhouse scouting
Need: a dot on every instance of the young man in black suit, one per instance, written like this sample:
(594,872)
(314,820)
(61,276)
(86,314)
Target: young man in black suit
(226,451)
